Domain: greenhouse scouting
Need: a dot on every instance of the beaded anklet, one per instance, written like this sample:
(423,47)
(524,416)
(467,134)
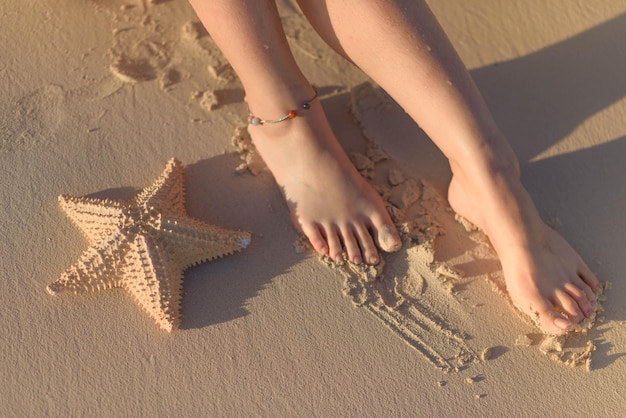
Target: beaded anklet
(255,121)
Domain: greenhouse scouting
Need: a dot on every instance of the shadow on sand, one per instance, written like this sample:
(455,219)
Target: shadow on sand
(540,98)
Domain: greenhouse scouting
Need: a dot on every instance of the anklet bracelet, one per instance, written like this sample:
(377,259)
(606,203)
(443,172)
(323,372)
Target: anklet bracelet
(255,121)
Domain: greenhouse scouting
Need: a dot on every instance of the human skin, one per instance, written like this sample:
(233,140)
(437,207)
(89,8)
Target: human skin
(400,45)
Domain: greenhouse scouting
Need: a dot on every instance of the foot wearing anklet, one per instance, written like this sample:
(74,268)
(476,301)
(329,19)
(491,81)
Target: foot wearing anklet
(329,201)
(255,121)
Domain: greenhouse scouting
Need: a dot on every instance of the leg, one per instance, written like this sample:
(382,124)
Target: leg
(401,46)
(328,199)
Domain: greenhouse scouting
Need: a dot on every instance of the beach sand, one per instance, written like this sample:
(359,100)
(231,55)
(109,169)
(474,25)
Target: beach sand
(97,96)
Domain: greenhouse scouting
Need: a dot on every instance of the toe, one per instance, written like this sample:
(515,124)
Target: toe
(548,319)
(569,306)
(584,297)
(316,238)
(351,244)
(589,278)
(554,323)
(335,250)
(368,248)
(386,236)
(558,324)
(591,297)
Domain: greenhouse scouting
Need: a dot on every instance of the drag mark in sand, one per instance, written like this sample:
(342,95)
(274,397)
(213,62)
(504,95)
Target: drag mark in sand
(407,296)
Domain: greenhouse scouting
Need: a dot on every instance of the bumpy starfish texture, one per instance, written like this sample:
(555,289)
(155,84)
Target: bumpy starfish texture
(144,246)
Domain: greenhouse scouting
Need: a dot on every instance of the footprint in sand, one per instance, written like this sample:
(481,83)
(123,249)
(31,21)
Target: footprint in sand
(32,119)
(137,55)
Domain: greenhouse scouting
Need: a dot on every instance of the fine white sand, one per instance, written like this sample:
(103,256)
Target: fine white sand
(98,95)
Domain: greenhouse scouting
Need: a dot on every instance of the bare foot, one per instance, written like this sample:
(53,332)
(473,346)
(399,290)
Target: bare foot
(329,200)
(545,278)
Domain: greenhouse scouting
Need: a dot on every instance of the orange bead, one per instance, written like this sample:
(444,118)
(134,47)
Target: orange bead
(292,114)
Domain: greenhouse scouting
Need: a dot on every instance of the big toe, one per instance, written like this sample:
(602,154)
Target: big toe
(548,319)
(387,238)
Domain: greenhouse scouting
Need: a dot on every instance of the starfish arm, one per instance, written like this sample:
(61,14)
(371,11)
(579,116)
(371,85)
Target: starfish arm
(96,269)
(94,217)
(167,193)
(154,281)
(191,241)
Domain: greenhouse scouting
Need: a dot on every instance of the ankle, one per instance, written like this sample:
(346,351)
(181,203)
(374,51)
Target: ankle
(273,102)
(493,159)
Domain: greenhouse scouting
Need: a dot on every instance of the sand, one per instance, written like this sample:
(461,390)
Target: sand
(98,95)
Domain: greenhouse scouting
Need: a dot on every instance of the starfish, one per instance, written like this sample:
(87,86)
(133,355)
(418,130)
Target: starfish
(144,245)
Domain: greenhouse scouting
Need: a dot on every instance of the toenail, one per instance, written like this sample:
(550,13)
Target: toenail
(373,260)
(388,238)
(357,259)
(563,324)
(591,312)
